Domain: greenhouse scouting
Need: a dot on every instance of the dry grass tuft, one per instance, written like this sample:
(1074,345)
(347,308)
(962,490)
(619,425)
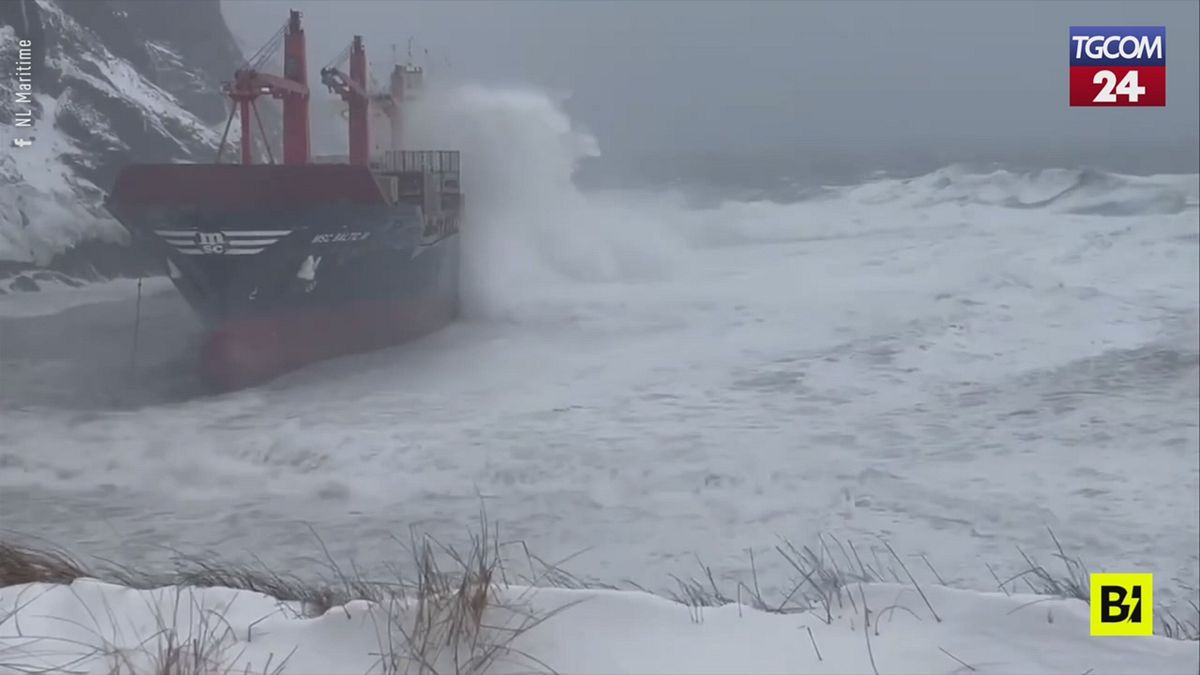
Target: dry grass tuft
(819,583)
(204,645)
(187,639)
(20,564)
(1074,582)
(1175,628)
(459,620)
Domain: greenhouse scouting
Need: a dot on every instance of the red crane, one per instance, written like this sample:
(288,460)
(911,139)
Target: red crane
(248,84)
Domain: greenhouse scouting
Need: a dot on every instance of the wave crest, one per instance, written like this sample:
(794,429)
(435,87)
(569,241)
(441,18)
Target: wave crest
(1079,191)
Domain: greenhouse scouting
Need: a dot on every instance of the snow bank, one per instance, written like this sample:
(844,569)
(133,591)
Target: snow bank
(55,297)
(92,627)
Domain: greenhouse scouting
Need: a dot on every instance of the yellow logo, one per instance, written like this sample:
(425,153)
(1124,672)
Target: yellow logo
(1122,604)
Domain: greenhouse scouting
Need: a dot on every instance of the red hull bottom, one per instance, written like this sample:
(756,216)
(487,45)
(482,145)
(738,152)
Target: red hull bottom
(246,352)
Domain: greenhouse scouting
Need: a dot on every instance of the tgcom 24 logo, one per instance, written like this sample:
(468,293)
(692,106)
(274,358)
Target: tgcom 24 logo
(1118,66)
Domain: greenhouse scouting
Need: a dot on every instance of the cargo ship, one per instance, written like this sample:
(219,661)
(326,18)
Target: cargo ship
(307,258)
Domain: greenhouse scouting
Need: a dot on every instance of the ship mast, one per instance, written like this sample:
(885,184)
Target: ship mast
(353,90)
(296,147)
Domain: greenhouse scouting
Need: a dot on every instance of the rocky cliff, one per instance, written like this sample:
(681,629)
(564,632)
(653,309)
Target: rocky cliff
(115,81)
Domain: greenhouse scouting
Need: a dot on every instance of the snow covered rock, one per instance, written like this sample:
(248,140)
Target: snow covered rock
(115,81)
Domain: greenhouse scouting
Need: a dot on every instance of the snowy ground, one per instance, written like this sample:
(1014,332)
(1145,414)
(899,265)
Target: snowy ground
(595,632)
(953,363)
(54,298)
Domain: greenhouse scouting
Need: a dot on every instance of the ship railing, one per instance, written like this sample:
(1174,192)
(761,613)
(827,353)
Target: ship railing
(416,161)
(331,159)
(430,161)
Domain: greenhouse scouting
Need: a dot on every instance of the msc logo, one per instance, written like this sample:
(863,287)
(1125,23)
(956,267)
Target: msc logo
(1118,66)
(211,242)
(1122,604)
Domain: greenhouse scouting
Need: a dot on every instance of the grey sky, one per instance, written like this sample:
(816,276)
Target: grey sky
(671,75)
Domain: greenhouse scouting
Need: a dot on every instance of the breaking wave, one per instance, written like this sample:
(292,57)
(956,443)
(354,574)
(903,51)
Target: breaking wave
(1079,191)
(535,235)
(531,228)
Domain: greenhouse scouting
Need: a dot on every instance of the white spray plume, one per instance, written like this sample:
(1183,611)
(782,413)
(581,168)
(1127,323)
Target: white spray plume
(527,225)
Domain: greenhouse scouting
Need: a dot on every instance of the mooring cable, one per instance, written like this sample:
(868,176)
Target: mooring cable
(137,326)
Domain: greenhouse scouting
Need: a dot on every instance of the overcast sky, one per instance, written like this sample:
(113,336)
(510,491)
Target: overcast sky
(667,75)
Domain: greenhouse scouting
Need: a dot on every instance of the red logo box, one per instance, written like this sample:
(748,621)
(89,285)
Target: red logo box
(1117,86)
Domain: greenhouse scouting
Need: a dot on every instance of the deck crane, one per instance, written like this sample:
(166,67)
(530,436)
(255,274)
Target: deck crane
(249,83)
(352,89)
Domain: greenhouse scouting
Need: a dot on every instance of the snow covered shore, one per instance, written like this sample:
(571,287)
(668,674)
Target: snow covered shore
(94,627)
(474,621)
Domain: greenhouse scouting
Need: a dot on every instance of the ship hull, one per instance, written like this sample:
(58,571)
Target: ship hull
(254,348)
(311,264)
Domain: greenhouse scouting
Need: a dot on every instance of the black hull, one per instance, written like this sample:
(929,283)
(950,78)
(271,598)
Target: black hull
(284,284)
